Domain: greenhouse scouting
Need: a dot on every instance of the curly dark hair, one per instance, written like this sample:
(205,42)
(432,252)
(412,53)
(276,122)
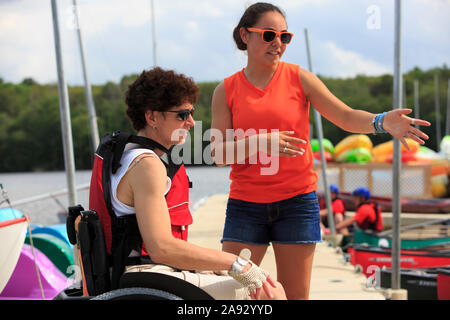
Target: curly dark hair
(158,89)
(250,18)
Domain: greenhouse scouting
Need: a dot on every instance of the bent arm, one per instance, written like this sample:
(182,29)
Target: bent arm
(147,181)
(225,149)
(345,223)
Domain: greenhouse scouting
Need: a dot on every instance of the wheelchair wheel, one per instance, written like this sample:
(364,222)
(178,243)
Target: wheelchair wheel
(136,294)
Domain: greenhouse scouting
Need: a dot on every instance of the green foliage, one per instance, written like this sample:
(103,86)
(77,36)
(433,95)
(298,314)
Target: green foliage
(30,128)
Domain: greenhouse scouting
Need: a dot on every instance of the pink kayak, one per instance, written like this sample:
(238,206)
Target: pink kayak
(23,283)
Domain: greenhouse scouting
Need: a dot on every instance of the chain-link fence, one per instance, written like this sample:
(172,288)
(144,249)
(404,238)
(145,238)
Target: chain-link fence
(415,180)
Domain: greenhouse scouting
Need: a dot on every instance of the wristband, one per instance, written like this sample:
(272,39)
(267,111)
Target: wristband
(377,123)
(241,261)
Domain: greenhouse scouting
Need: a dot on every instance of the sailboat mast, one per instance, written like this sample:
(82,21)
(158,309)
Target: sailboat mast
(155,61)
(87,85)
(64,109)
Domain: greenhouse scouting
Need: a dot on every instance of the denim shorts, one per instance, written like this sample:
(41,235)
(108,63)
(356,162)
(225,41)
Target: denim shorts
(290,221)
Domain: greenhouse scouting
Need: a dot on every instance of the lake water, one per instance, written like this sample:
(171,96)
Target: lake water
(207,181)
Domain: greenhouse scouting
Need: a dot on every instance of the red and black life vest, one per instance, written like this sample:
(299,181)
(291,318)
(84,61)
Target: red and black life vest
(122,234)
(372,225)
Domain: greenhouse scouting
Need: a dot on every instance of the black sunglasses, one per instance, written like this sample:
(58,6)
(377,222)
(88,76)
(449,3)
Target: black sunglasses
(182,115)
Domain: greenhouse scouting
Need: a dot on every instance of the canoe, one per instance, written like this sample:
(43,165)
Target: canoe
(57,250)
(369,259)
(23,283)
(429,234)
(13,227)
(421,284)
(408,205)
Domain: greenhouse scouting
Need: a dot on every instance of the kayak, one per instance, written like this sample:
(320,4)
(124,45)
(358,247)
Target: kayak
(57,230)
(24,284)
(353,141)
(369,259)
(408,205)
(421,284)
(429,234)
(57,250)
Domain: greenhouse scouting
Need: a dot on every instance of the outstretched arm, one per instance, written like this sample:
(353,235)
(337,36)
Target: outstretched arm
(396,122)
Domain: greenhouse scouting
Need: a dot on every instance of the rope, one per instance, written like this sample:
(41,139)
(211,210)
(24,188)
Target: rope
(34,260)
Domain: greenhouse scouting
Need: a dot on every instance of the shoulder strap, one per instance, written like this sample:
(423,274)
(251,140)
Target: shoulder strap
(120,139)
(147,143)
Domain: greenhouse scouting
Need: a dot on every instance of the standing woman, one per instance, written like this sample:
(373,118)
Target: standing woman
(269,95)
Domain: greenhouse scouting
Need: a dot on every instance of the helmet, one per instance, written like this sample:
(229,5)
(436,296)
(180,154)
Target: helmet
(363,192)
(334,188)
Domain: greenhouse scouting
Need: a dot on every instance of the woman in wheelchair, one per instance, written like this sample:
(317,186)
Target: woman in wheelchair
(160,107)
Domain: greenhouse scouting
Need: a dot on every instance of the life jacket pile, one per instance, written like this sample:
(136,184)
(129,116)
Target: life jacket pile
(121,234)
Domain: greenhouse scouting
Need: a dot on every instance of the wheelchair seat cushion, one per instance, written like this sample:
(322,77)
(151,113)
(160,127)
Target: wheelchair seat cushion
(163,282)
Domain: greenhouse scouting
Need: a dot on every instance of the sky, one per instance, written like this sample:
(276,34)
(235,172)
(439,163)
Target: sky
(194,37)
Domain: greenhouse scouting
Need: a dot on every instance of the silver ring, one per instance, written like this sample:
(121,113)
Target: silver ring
(412,122)
(284,149)
(287,144)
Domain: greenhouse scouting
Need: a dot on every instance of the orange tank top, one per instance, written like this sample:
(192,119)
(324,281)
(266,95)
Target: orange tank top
(280,106)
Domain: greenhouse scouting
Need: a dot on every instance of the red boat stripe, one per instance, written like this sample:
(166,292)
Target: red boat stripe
(12,221)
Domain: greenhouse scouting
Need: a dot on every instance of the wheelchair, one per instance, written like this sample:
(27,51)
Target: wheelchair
(99,282)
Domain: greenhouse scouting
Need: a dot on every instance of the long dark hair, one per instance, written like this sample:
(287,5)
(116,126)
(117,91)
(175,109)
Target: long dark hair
(250,18)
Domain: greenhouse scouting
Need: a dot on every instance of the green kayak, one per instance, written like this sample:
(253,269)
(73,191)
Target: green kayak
(57,250)
(430,234)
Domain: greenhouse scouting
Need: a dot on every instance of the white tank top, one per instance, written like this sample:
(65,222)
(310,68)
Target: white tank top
(120,208)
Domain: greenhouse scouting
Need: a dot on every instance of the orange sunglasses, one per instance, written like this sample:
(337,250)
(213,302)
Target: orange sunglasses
(270,35)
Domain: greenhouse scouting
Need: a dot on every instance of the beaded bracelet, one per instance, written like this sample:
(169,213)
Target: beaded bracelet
(378,123)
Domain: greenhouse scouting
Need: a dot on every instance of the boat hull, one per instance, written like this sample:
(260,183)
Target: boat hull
(361,237)
(57,250)
(421,284)
(371,259)
(24,284)
(410,205)
(12,235)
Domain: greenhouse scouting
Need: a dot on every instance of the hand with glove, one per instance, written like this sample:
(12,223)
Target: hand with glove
(251,276)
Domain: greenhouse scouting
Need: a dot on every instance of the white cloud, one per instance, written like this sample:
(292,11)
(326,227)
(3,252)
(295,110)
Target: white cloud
(26,49)
(194,36)
(346,63)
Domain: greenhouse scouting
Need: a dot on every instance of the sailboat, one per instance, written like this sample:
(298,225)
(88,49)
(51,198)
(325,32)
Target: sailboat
(13,228)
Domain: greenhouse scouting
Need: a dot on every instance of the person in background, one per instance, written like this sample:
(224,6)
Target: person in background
(367,217)
(337,207)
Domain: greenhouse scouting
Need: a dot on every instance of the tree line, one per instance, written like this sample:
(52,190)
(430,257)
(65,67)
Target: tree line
(30,128)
